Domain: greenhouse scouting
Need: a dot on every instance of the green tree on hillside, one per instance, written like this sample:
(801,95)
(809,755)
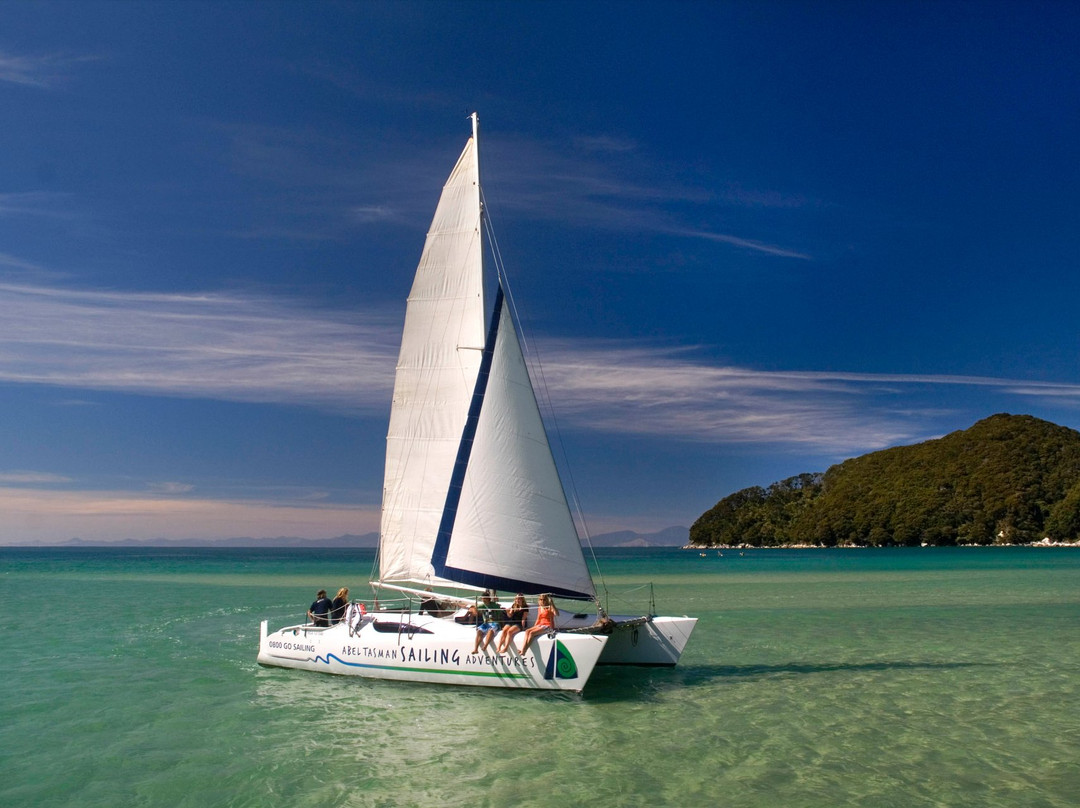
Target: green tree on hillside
(1007,479)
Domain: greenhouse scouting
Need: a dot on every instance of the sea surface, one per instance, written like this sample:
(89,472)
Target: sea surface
(907,677)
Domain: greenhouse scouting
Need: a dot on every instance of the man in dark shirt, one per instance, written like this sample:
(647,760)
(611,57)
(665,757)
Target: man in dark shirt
(319,613)
(431,605)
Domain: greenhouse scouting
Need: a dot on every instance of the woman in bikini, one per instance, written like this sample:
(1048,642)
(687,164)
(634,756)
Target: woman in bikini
(545,621)
(516,619)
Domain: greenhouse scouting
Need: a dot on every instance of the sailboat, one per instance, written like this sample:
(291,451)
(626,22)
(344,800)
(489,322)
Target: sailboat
(472,500)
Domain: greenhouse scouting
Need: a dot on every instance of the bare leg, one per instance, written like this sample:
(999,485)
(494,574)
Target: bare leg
(529,634)
(506,641)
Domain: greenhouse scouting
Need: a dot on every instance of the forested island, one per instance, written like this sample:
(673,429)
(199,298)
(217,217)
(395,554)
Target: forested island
(1009,479)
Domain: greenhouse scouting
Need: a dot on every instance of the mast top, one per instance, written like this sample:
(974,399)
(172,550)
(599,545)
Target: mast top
(475,123)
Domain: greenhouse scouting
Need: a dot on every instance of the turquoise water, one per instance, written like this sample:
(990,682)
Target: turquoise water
(913,677)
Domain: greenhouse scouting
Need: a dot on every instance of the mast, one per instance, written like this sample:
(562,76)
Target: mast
(476,151)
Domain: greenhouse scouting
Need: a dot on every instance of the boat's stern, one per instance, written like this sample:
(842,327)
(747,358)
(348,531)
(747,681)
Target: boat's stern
(263,658)
(649,642)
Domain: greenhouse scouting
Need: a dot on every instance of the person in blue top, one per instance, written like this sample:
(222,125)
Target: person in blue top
(489,616)
(319,613)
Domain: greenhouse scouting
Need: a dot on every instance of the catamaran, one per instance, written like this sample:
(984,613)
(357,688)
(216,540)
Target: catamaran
(472,499)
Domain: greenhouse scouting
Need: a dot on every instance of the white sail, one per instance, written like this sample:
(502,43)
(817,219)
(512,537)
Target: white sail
(471,493)
(512,529)
(440,354)
(471,497)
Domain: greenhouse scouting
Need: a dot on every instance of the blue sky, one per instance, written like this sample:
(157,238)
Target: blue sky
(747,240)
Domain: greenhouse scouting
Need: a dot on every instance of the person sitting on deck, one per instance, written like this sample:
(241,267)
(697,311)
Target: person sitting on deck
(337,608)
(516,620)
(545,621)
(487,621)
(319,613)
(431,605)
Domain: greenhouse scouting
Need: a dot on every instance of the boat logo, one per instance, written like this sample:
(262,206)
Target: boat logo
(560,663)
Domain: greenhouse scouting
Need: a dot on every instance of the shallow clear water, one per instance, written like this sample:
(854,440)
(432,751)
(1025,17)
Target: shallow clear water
(815,678)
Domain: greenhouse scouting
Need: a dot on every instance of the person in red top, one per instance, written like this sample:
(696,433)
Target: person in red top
(545,621)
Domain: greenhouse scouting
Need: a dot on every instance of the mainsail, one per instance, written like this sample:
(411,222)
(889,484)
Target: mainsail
(471,494)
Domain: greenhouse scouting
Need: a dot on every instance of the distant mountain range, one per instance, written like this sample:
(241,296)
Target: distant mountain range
(368,540)
(668,537)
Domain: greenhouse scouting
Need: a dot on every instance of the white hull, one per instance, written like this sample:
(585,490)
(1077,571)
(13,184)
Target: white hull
(418,648)
(644,641)
(414,647)
(656,643)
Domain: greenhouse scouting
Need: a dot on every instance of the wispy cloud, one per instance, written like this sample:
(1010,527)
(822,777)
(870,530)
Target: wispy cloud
(661,393)
(260,349)
(603,182)
(12,262)
(39,204)
(171,488)
(605,143)
(42,71)
(749,244)
(45,515)
(373,213)
(599,182)
(215,345)
(31,478)
(332,185)
(1045,390)
(735,194)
